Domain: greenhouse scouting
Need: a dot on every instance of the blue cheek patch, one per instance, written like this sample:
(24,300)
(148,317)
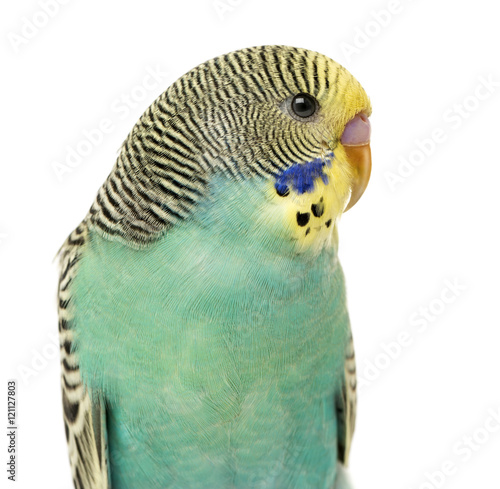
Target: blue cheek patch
(300,177)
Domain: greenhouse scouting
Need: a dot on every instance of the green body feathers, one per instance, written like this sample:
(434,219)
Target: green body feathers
(220,364)
(205,339)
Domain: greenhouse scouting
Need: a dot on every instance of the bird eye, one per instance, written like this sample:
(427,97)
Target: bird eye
(303,105)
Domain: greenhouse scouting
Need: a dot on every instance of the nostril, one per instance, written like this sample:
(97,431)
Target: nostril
(357,131)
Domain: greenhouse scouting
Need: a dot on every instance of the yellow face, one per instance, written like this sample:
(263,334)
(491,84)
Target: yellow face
(311,214)
(310,218)
(286,120)
(263,115)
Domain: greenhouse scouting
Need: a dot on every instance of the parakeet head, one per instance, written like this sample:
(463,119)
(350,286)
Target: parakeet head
(290,117)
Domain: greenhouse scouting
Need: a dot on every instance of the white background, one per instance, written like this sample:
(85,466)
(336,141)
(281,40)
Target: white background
(422,65)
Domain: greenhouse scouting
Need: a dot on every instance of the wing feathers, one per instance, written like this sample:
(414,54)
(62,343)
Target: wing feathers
(84,419)
(346,405)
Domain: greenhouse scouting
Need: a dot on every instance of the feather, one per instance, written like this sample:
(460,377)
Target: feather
(84,419)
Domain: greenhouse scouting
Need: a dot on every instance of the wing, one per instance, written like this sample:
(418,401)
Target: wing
(346,405)
(84,414)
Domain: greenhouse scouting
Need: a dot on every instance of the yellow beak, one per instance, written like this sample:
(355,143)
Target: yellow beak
(356,143)
(360,158)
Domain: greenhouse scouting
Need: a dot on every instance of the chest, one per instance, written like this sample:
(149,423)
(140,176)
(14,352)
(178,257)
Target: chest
(224,300)
(194,314)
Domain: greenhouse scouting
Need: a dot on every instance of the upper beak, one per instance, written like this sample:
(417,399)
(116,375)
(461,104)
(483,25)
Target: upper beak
(356,142)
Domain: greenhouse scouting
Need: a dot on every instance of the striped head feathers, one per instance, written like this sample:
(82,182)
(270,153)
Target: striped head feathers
(290,116)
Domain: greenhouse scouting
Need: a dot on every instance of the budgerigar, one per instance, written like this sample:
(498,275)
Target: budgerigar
(202,313)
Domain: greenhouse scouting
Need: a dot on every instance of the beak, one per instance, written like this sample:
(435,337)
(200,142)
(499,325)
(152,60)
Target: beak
(356,143)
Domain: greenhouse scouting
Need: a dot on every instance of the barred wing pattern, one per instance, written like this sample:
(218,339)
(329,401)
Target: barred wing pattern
(346,405)
(84,417)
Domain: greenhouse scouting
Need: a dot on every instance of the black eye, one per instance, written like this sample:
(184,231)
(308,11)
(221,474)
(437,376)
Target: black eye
(303,105)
